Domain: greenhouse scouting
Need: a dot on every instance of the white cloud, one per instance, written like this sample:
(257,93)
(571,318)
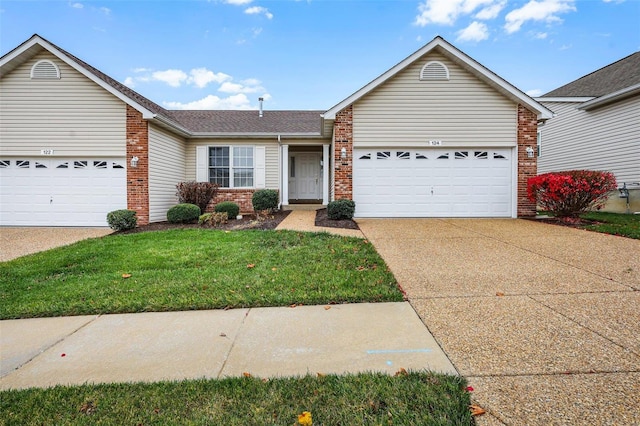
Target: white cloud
(259,10)
(476,31)
(200,77)
(139,70)
(238,2)
(540,36)
(534,10)
(239,101)
(105,10)
(446,12)
(129,82)
(534,92)
(245,86)
(566,46)
(492,11)
(173,78)
(76,5)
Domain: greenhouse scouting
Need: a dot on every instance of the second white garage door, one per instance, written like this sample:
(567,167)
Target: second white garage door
(61,192)
(433,182)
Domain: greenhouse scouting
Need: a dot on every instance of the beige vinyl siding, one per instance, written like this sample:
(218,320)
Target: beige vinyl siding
(408,112)
(72,115)
(271,157)
(167,156)
(607,138)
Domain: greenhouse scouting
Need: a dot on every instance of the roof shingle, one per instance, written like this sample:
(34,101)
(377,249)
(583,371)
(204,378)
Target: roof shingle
(616,76)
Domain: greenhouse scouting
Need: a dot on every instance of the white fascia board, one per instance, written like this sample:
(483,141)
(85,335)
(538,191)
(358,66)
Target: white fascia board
(516,94)
(146,114)
(611,97)
(565,99)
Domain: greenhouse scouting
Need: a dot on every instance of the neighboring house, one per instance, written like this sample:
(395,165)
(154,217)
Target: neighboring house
(596,126)
(437,135)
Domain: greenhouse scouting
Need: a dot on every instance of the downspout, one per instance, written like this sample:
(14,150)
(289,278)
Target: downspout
(280,185)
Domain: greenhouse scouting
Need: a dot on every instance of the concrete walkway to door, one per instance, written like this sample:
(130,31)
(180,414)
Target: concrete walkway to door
(543,320)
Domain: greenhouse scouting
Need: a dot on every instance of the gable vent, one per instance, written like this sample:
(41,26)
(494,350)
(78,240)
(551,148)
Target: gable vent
(45,70)
(434,70)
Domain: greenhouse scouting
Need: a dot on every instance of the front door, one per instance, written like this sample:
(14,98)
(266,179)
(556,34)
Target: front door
(305,176)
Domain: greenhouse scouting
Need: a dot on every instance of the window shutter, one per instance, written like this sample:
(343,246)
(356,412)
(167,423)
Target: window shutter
(202,161)
(260,173)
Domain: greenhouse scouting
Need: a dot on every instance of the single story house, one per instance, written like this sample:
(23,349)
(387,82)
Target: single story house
(437,135)
(597,127)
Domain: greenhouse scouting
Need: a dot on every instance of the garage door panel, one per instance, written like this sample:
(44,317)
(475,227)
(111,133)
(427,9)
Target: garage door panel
(432,182)
(61,192)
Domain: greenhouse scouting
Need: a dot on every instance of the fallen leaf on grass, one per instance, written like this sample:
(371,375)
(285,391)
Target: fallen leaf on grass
(321,374)
(274,269)
(305,419)
(125,276)
(401,372)
(476,410)
(88,408)
(251,266)
(245,374)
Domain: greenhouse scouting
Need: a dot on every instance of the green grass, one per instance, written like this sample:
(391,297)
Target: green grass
(626,225)
(194,269)
(364,399)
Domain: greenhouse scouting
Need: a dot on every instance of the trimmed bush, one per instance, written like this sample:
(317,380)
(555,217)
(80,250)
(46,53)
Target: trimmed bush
(231,208)
(265,199)
(213,219)
(121,220)
(198,193)
(341,209)
(183,213)
(571,193)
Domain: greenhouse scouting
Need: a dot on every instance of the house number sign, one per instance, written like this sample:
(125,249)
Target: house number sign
(46,152)
(435,143)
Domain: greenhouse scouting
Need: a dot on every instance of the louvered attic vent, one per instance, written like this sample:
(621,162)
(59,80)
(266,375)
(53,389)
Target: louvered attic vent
(434,70)
(45,70)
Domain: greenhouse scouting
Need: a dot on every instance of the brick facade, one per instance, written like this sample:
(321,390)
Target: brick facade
(343,138)
(527,167)
(242,197)
(137,134)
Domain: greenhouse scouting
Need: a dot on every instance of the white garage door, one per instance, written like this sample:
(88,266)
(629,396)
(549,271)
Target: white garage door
(61,192)
(432,182)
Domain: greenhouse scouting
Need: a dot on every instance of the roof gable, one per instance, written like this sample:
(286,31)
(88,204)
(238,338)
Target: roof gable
(612,78)
(441,45)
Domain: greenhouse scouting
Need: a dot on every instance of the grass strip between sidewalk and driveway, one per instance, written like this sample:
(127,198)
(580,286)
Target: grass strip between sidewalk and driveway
(416,398)
(194,269)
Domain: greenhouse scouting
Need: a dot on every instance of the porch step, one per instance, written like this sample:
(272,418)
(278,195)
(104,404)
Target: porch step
(304,207)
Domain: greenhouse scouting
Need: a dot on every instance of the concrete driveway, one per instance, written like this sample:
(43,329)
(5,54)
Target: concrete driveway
(543,320)
(16,242)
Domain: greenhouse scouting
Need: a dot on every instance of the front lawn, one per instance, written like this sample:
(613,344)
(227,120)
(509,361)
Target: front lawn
(626,225)
(194,269)
(363,399)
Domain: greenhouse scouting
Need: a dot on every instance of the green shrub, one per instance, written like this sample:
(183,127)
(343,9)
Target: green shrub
(341,209)
(265,199)
(213,219)
(231,208)
(183,213)
(121,220)
(198,193)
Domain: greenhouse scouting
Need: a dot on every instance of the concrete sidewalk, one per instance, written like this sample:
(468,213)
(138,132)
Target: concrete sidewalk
(304,220)
(264,342)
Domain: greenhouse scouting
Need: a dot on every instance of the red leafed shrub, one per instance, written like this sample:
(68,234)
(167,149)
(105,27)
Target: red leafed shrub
(571,193)
(198,193)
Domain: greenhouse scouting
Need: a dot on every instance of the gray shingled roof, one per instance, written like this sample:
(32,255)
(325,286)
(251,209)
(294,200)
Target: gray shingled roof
(219,121)
(231,121)
(616,76)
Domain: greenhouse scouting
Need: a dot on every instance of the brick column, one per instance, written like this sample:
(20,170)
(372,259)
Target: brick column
(138,177)
(343,138)
(527,167)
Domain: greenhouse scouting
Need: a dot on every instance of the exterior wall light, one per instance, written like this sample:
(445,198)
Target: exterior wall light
(343,153)
(134,162)
(624,191)
(529,152)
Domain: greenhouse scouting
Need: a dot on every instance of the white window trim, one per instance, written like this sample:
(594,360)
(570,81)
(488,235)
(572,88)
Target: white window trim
(203,167)
(539,144)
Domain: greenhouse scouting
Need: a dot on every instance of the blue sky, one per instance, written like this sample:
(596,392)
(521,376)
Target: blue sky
(224,54)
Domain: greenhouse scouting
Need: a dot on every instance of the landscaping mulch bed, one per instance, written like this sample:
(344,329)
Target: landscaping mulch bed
(248,221)
(322,219)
